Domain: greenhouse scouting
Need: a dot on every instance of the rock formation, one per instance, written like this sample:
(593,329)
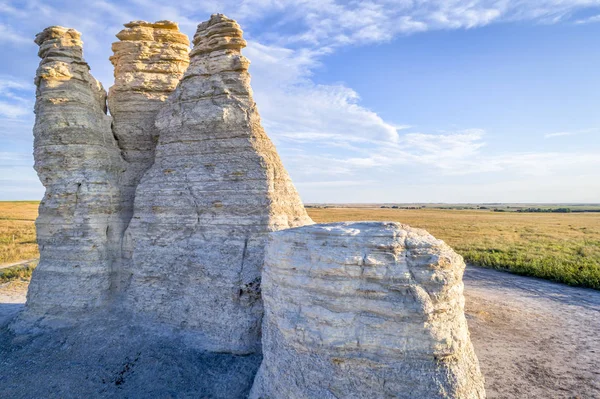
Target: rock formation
(364,310)
(161,218)
(203,210)
(149,61)
(78,161)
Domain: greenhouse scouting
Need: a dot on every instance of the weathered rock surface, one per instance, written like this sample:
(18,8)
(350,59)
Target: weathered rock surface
(164,217)
(149,61)
(78,161)
(364,310)
(203,210)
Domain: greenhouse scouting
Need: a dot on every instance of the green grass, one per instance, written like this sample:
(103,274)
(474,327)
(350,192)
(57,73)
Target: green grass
(17,272)
(554,246)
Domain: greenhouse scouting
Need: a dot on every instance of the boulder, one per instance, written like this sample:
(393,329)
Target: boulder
(364,310)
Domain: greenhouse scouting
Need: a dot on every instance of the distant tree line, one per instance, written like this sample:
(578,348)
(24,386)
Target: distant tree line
(402,207)
(545,210)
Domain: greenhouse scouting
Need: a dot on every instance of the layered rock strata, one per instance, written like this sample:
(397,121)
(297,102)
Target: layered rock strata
(78,161)
(364,310)
(149,61)
(203,210)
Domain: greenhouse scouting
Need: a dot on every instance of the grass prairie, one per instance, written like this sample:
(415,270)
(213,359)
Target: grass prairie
(563,247)
(17,231)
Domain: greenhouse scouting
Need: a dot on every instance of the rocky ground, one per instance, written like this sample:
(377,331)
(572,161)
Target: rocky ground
(534,339)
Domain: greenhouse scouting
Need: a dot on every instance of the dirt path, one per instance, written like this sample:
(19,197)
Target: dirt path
(534,339)
(23,262)
(12,299)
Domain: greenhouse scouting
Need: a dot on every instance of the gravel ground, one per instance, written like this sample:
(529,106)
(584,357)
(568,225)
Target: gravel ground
(534,339)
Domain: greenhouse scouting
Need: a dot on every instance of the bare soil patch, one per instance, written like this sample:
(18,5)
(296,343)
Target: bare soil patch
(534,339)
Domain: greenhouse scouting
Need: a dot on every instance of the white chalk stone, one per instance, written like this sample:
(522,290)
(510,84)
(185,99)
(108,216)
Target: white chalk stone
(364,310)
(78,161)
(204,208)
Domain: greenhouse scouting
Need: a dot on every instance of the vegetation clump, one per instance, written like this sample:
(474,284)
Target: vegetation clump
(17,273)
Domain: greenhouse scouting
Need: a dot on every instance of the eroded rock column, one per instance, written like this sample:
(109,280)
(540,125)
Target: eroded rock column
(364,310)
(78,161)
(203,210)
(149,61)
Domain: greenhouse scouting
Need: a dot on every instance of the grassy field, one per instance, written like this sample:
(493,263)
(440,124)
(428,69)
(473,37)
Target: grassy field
(554,246)
(22,272)
(17,231)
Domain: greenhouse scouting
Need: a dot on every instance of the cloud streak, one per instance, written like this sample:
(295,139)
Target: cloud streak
(571,133)
(323,131)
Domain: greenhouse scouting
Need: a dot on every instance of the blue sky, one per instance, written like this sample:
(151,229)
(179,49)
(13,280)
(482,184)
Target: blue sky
(372,101)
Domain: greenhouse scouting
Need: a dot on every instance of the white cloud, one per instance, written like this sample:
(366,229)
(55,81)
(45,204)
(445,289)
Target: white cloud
(295,108)
(12,83)
(13,110)
(335,183)
(323,131)
(571,133)
(15,157)
(14,103)
(8,35)
(590,20)
(331,23)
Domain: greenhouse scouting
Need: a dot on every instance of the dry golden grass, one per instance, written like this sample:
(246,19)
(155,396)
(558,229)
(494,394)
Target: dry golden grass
(17,231)
(563,247)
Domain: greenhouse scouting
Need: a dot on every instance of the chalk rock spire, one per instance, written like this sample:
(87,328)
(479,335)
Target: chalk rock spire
(364,310)
(149,61)
(203,210)
(78,161)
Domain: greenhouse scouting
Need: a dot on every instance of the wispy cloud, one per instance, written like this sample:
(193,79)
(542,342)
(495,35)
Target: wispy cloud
(335,183)
(13,110)
(14,101)
(330,23)
(312,112)
(589,20)
(322,131)
(8,35)
(571,133)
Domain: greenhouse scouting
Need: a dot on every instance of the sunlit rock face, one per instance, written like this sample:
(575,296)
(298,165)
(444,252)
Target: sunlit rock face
(203,210)
(149,60)
(78,161)
(168,217)
(364,310)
